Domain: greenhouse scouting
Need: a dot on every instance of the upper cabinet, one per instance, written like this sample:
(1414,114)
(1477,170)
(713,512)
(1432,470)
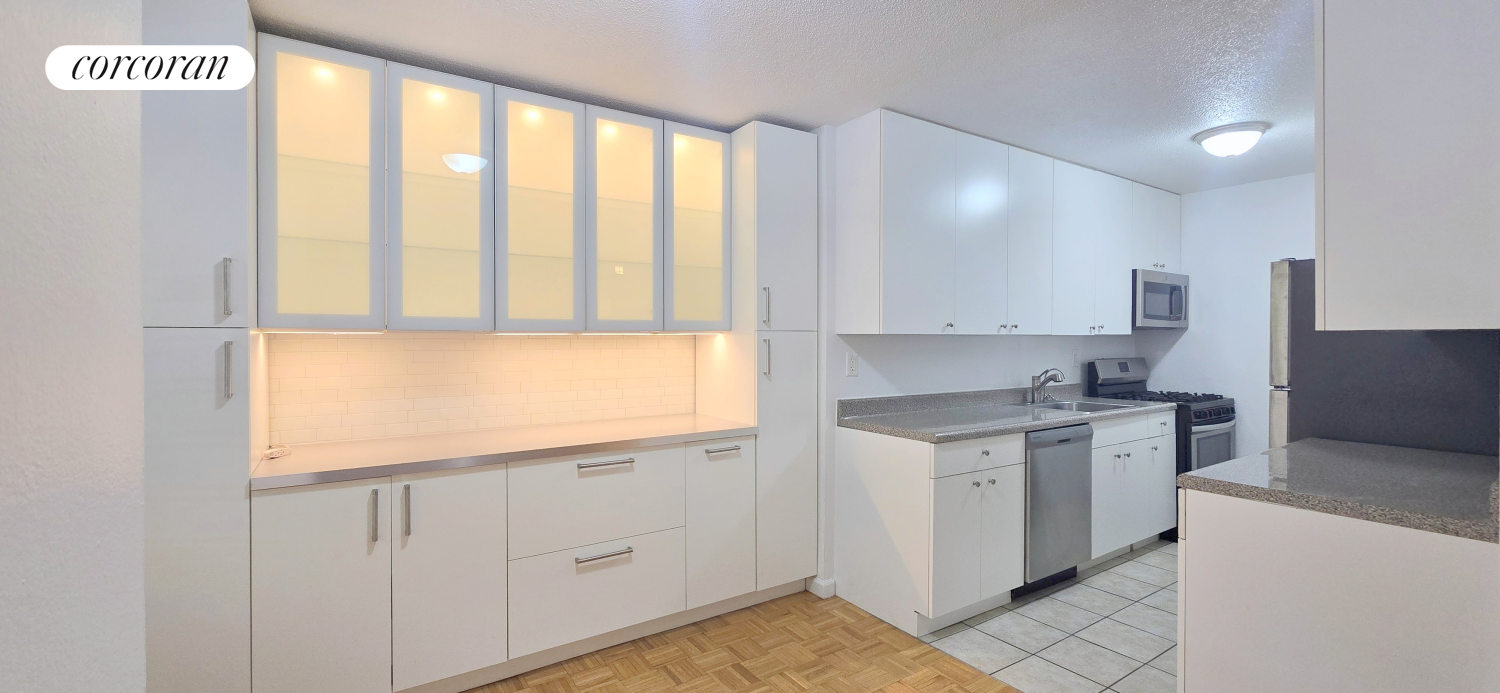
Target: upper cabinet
(624,234)
(776,215)
(392,197)
(441,191)
(943,232)
(539,212)
(696,230)
(1407,96)
(321,120)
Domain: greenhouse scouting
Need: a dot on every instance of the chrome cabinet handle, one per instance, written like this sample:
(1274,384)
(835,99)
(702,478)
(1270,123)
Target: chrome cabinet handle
(602,556)
(992,482)
(1127,454)
(406,510)
(1014,326)
(948,324)
(976,484)
(610,463)
(227,309)
(767,371)
(1117,455)
(374,515)
(767,320)
(984,453)
(228,370)
(715,451)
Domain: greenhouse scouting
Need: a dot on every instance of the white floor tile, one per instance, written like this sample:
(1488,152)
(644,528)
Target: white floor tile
(1022,632)
(1126,640)
(980,651)
(1147,680)
(1166,600)
(1120,585)
(1095,600)
(1089,660)
(981,618)
(1171,548)
(1037,675)
(1149,619)
(1059,615)
(941,633)
(1157,559)
(1136,570)
(1167,661)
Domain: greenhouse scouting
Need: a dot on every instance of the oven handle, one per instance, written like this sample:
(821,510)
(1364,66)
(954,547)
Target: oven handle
(1210,428)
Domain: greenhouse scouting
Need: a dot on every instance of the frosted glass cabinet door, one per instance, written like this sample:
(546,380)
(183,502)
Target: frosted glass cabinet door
(539,213)
(624,221)
(696,241)
(441,188)
(321,151)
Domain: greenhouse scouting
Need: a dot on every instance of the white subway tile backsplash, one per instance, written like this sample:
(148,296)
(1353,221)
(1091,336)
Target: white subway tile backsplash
(341,387)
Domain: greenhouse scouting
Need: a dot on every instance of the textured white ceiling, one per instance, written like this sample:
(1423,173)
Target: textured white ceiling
(1118,85)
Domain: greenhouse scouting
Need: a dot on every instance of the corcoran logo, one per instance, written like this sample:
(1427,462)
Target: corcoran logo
(150,67)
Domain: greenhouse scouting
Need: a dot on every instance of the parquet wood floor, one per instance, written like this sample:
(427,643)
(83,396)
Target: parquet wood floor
(787,645)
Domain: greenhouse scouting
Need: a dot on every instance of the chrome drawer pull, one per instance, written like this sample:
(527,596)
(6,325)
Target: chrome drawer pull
(602,556)
(715,451)
(374,515)
(228,311)
(611,463)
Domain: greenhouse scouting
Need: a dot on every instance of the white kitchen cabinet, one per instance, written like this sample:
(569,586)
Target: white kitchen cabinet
(564,502)
(1156,228)
(565,596)
(197,520)
(1003,530)
(957,542)
(321,588)
(1092,252)
(440,191)
(1134,486)
(896,225)
(1114,258)
(720,520)
(448,574)
(696,229)
(1111,523)
(1158,486)
(624,232)
(539,212)
(786,478)
(1030,251)
(321,159)
(776,198)
(1407,96)
(983,240)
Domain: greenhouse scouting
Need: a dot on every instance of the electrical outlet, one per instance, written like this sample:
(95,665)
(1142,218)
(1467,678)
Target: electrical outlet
(1076,362)
(851,365)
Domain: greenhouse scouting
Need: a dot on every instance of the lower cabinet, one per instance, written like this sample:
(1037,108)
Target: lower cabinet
(320,576)
(978,537)
(448,588)
(786,477)
(1134,492)
(720,520)
(560,597)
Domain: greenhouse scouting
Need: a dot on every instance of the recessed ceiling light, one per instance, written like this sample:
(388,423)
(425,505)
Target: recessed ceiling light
(1231,140)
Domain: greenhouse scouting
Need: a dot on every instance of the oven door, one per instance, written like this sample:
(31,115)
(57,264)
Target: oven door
(1160,299)
(1211,444)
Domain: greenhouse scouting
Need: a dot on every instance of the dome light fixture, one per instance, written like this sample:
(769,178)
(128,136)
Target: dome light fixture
(465,163)
(1231,140)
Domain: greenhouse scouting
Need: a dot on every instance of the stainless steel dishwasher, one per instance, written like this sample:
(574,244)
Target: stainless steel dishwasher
(1059,499)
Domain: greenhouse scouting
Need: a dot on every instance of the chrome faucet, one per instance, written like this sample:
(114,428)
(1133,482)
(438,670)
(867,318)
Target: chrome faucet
(1039,385)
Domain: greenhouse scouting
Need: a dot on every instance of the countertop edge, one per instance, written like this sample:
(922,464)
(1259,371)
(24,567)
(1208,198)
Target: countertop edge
(268,483)
(1480,530)
(1008,429)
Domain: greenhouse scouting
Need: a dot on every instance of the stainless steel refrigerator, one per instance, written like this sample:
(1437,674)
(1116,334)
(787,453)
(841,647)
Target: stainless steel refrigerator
(1436,390)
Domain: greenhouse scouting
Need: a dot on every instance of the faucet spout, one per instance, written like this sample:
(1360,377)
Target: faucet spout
(1039,385)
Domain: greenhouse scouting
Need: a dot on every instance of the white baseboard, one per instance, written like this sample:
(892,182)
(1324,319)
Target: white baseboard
(537,660)
(823,587)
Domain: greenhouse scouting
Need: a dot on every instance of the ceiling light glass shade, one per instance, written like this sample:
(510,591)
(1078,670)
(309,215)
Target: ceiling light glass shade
(465,163)
(1231,140)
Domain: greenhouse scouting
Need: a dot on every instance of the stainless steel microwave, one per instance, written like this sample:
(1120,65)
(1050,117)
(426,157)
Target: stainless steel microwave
(1161,299)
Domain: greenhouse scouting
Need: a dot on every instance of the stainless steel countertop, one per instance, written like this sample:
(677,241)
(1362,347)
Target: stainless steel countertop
(1444,492)
(319,463)
(949,417)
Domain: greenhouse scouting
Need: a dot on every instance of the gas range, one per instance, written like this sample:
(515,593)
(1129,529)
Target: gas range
(1205,422)
(1202,408)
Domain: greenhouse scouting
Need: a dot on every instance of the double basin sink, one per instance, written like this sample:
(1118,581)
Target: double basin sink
(1077,406)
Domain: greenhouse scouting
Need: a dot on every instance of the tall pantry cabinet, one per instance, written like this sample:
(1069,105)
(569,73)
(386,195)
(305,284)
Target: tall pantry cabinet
(196,307)
(776,206)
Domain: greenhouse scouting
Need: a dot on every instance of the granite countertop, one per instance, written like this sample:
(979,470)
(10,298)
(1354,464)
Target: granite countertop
(318,463)
(1444,492)
(947,417)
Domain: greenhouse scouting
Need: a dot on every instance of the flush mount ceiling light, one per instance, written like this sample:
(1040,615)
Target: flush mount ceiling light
(1231,140)
(465,163)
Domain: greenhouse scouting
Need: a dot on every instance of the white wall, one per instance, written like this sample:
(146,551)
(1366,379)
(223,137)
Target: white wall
(1230,237)
(71,549)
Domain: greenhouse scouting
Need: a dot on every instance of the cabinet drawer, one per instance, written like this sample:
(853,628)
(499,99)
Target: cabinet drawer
(555,599)
(964,456)
(1163,423)
(1122,430)
(575,501)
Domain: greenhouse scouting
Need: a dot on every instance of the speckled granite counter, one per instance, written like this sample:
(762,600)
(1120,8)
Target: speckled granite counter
(1444,492)
(946,417)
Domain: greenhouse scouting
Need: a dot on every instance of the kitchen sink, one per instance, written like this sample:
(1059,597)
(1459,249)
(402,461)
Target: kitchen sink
(1078,406)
